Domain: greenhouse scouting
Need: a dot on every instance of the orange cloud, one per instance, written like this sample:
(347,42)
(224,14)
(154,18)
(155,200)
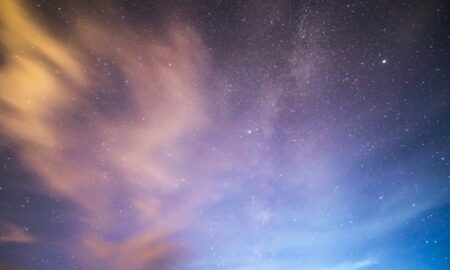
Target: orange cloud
(12,233)
(111,145)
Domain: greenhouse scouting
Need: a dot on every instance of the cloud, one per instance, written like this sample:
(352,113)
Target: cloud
(13,233)
(114,151)
(362,264)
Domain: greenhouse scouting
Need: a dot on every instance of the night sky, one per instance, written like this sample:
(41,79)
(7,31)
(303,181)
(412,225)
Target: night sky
(244,135)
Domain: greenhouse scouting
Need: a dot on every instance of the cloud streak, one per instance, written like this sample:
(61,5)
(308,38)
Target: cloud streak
(121,168)
(13,233)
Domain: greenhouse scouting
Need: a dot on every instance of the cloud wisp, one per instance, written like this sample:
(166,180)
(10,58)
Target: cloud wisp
(120,167)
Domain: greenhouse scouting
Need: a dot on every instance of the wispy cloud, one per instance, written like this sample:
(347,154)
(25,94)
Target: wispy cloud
(355,265)
(10,232)
(122,167)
